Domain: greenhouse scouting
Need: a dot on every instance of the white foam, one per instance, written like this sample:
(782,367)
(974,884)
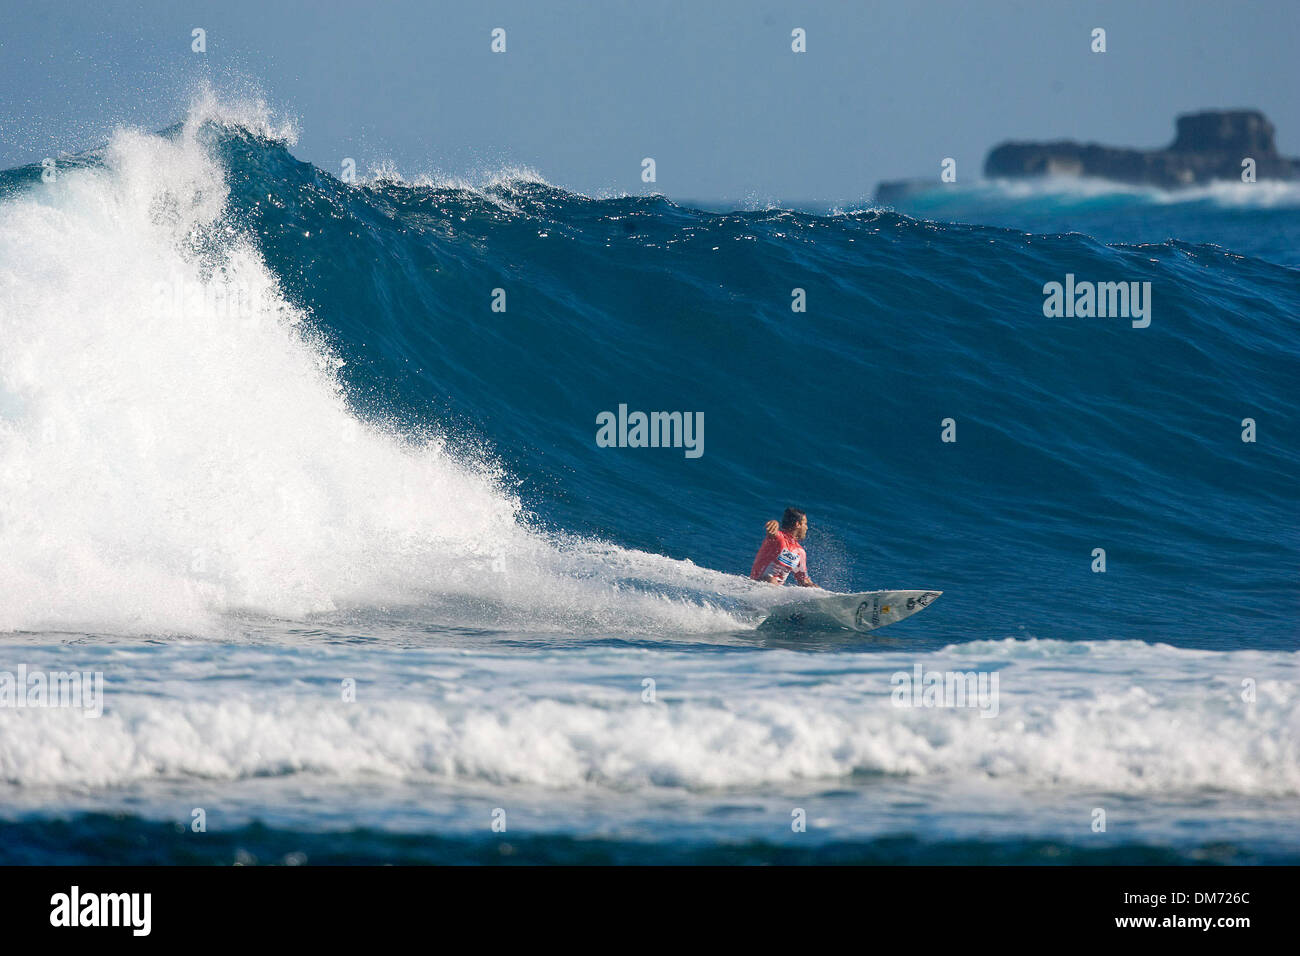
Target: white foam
(481,182)
(501,186)
(1067,190)
(1120,717)
(164,465)
(249,113)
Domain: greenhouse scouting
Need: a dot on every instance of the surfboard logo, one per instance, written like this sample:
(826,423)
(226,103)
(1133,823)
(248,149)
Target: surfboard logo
(859,614)
(923,601)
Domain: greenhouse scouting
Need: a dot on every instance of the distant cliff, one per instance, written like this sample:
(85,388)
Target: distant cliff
(1208,146)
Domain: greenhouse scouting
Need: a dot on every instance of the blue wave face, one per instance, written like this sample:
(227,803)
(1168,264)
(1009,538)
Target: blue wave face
(1072,433)
(821,361)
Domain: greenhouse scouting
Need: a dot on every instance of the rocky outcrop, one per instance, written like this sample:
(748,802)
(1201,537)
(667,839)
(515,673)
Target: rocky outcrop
(895,190)
(1208,146)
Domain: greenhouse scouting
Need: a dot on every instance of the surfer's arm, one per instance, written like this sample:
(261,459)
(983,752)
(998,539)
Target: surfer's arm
(771,528)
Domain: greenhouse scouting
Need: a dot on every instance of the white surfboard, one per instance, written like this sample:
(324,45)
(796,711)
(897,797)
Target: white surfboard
(864,611)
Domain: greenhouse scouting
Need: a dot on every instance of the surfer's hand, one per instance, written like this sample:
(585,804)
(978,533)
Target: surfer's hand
(772,527)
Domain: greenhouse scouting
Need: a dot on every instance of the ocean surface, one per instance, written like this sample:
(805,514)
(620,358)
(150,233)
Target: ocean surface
(364,587)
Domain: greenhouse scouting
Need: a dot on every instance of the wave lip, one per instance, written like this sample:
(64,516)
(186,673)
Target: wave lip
(174,439)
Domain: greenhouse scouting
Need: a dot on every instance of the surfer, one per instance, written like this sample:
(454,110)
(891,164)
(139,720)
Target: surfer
(781,554)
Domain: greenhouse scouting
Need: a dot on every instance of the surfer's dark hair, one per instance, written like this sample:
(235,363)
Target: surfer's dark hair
(791,518)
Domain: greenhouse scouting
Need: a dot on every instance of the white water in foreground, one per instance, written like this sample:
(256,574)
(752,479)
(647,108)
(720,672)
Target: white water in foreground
(1156,735)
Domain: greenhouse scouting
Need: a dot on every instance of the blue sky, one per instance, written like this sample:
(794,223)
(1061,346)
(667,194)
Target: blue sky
(709,88)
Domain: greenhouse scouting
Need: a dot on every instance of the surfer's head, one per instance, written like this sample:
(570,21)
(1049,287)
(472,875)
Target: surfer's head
(795,523)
